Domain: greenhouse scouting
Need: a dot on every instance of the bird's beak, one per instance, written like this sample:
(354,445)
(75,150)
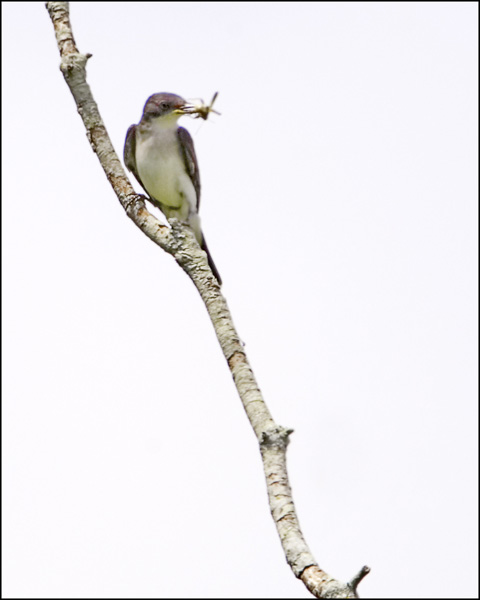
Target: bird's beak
(186,109)
(197,108)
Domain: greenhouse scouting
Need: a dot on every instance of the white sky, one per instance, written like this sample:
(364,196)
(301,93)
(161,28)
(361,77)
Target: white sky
(340,205)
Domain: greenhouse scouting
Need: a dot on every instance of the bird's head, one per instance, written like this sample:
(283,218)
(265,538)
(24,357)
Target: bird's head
(166,106)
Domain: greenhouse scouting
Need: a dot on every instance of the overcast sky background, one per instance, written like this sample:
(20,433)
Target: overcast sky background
(340,206)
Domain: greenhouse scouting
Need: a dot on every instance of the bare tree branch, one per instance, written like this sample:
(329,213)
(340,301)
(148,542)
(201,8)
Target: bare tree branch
(180,241)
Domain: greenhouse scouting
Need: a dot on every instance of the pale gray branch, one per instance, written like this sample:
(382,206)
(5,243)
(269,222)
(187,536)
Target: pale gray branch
(179,241)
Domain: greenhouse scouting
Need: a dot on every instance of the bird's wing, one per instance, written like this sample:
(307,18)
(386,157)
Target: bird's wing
(191,165)
(129,153)
(190,159)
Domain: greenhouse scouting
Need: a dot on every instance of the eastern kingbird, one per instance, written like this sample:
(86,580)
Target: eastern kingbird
(162,157)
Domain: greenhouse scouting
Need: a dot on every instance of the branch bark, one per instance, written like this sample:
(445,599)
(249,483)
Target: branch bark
(179,241)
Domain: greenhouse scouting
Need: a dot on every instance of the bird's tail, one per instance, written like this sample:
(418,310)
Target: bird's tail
(204,247)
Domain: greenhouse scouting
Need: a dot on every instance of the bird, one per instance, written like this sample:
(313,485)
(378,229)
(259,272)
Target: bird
(161,156)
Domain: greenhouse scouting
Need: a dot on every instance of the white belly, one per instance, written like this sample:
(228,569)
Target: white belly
(162,171)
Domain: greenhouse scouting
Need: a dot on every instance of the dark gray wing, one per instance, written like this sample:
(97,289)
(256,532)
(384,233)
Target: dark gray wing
(129,153)
(191,165)
(190,158)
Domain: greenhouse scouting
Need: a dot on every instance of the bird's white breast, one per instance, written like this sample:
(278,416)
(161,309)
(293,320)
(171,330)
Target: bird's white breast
(161,168)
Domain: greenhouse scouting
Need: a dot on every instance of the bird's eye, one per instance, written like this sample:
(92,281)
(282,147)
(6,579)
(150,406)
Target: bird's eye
(164,105)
